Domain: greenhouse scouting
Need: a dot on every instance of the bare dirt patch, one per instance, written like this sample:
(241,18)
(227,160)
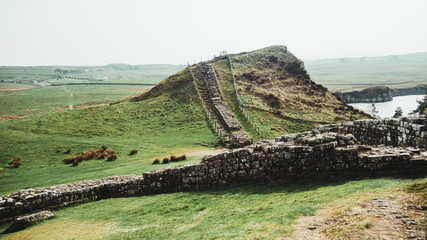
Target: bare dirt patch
(388,216)
(3,118)
(8,90)
(81,106)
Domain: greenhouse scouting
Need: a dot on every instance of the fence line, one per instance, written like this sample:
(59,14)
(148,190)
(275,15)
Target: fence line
(240,105)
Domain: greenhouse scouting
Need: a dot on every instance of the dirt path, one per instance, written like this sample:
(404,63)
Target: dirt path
(17,89)
(392,216)
(3,118)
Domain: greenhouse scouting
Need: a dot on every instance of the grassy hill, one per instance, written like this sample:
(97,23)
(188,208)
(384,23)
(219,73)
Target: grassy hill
(274,96)
(348,74)
(164,120)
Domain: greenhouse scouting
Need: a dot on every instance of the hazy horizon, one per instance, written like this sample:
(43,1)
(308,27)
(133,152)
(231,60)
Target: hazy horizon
(94,33)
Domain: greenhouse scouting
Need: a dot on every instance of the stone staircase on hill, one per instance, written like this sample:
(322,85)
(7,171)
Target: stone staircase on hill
(204,95)
(230,128)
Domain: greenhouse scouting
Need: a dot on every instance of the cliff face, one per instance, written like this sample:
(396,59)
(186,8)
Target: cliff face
(368,95)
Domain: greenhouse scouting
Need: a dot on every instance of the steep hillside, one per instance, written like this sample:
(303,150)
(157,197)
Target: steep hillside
(269,92)
(274,96)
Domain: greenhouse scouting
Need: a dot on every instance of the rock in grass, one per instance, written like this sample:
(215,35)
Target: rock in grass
(23,222)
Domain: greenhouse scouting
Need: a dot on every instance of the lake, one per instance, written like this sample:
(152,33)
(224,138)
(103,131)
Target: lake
(387,109)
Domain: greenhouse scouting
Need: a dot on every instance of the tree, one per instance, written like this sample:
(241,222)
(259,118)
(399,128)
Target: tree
(422,105)
(398,112)
(374,111)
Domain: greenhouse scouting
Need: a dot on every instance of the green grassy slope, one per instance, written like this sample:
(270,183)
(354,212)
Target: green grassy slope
(171,123)
(251,211)
(279,96)
(349,74)
(166,119)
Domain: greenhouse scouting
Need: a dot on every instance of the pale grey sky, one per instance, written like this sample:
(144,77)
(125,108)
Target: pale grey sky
(98,32)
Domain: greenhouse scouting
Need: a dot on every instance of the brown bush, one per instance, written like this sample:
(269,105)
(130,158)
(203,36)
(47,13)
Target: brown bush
(79,158)
(156,161)
(68,160)
(174,159)
(112,157)
(88,155)
(133,152)
(14,163)
(182,157)
(99,154)
(75,162)
(165,160)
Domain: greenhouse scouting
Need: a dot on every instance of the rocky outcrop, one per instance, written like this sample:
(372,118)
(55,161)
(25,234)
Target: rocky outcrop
(380,94)
(368,95)
(23,222)
(360,148)
(417,90)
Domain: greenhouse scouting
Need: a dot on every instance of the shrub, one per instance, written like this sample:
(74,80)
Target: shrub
(91,154)
(112,157)
(133,152)
(79,158)
(182,157)
(68,150)
(75,162)
(88,155)
(103,147)
(156,161)
(165,160)
(99,154)
(68,160)
(174,159)
(14,163)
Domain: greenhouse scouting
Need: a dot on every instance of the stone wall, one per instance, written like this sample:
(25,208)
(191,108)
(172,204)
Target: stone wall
(238,137)
(326,151)
(393,131)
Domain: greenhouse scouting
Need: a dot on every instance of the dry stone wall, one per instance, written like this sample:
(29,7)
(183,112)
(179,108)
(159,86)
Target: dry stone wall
(393,131)
(238,137)
(326,151)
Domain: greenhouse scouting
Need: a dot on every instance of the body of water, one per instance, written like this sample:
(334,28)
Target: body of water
(387,109)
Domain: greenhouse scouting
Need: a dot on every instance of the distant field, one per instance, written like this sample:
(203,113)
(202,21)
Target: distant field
(151,73)
(349,74)
(15,103)
(53,98)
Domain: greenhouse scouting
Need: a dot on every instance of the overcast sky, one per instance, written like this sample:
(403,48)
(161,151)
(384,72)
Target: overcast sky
(92,32)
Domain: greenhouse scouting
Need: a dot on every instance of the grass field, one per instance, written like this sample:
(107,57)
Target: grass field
(58,98)
(250,211)
(347,74)
(171,124)
(151,73)
(161,125)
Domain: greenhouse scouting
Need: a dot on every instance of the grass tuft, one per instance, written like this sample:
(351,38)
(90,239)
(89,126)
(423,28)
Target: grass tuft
(14,163)
(133,152)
